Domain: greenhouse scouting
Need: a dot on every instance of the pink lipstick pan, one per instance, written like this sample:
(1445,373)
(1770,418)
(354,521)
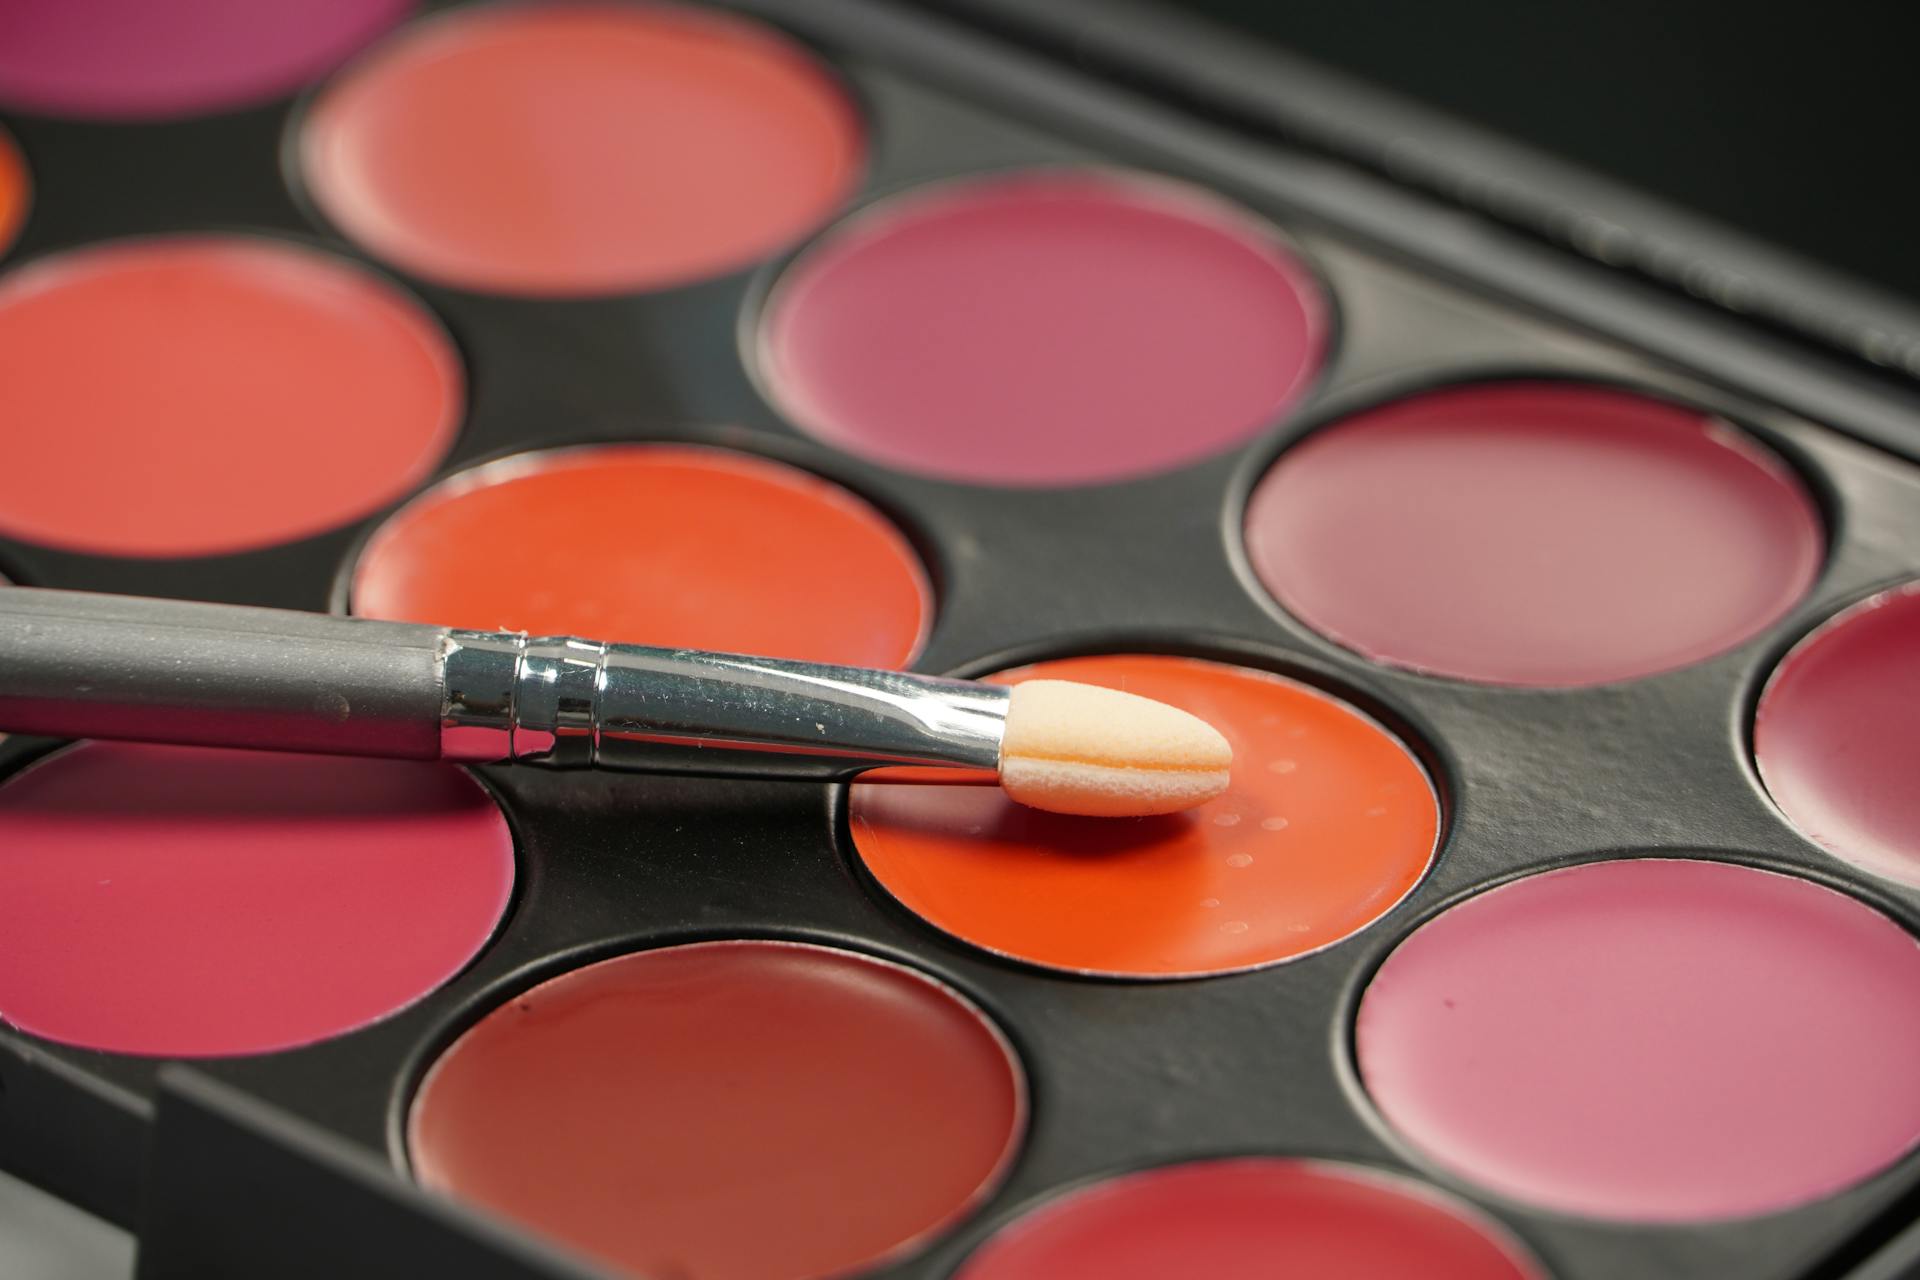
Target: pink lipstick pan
(1558,918)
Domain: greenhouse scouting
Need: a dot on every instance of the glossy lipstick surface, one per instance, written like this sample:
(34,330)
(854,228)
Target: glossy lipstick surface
(141,60)
(1534,534)
(1328,822)
(187,901)
(1651,1040)
(654,544)
(1054,327)
(1837,734)
(226,393)
(584,148)
(739,1110)
(1253,1219)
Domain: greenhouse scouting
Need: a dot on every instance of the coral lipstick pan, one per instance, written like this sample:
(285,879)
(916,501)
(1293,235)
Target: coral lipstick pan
(79,665)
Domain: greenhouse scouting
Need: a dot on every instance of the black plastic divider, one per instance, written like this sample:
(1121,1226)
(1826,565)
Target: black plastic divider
(1261,89)
(240,1189)
(71,1132)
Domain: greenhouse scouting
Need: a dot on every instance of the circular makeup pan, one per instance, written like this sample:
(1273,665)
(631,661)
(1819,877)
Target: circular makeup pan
(666,145)
(1253,1219)
(1534,534)
(226,393)
(192,902)
(16,191)
(654,544)
(733,1110)
(1651,1040)
(1056,327)
(1329,822)
(1837,735)
(138,60)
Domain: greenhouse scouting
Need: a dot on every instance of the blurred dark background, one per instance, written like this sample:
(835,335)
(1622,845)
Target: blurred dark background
(1799,124)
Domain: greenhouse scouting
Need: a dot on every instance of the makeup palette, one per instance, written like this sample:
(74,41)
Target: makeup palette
(1559,923)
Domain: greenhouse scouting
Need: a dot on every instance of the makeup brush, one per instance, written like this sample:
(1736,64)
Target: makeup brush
(77,665)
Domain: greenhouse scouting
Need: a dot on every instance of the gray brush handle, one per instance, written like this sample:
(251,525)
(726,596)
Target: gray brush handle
(76,665)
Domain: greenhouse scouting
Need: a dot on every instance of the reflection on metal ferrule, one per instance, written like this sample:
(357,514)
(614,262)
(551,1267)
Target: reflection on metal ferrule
(570,703)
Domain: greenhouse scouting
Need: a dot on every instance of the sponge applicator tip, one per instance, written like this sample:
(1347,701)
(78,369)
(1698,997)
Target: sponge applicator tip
(1082,749)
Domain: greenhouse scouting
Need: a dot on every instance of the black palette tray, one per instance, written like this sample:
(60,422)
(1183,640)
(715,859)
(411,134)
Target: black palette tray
(286,1164)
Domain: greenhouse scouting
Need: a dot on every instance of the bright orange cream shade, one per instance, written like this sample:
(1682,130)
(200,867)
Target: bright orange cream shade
(654,544)
(1329,822)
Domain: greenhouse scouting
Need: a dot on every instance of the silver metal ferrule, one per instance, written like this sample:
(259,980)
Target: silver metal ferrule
(568,703)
